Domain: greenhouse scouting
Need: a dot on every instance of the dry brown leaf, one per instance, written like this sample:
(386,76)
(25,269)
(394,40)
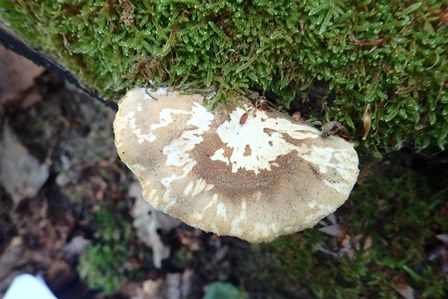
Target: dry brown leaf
(368,242)
(190,240)
(17,74)
(443,15)
(30,99)
(173,286)
(297,116)
(403,288)
(367,121)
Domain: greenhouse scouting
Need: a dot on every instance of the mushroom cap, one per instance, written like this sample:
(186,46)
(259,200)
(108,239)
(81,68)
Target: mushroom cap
(255,178)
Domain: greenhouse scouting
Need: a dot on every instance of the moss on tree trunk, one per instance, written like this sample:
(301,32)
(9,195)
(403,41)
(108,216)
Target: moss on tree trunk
(391,55)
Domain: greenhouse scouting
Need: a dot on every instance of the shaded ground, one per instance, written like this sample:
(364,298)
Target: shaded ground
(71,137)
(82,206)
(79,224)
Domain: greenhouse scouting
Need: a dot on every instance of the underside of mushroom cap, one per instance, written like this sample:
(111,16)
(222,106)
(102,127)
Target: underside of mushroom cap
(255,179)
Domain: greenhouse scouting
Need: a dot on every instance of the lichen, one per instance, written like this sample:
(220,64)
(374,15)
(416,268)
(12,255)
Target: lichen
(391,55)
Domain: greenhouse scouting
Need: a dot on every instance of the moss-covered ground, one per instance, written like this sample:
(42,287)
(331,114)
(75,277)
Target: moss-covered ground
(385,242)
(386,56)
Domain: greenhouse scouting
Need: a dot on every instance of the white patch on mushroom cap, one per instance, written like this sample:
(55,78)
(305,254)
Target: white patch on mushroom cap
(137,131)
(219,156)
(345,164)
(265,146)
(264,136)
(166,118)
(177,152)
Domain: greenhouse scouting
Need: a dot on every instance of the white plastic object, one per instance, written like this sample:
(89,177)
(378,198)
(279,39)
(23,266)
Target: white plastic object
(27,286)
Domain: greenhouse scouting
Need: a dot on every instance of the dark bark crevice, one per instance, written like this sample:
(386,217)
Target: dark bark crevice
(20,47)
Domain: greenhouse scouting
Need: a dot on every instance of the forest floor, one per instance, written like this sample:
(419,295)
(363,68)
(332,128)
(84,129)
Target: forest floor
(71,212)
(69,208)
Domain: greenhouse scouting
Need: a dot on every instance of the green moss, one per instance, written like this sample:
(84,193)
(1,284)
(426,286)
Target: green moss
(401,213)
(389,54)
(110,260)
(97,266)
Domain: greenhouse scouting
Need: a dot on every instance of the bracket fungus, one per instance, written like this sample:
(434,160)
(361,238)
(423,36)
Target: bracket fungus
(255,180)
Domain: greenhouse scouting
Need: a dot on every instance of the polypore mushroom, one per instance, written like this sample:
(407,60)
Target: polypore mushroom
(255,180)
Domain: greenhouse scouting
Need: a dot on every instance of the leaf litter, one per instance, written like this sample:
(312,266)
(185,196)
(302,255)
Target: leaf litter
(70,173)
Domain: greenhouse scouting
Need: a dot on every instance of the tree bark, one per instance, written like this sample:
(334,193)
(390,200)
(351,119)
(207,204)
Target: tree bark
(16,44)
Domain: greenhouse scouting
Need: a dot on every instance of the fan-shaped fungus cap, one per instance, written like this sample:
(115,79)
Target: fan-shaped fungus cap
(255,179)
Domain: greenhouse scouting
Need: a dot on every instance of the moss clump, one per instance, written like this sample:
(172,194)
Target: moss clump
(394,219)
(111,259)
(389,54)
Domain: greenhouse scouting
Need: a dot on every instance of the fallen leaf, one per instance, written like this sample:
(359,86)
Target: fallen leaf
(297,116)
(335,230)
(190,239)
(12,261)
(356,241)
(443,15)
(30,99)
(347,247)
(368,242)
(174,286)
(147,221)
(323,223)
(403,288)
(150,288)
(367,121)
(326,251)
(332,218)
(442,237)
(17,74)
(76,246)
(21,174)
(438,252)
